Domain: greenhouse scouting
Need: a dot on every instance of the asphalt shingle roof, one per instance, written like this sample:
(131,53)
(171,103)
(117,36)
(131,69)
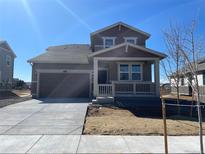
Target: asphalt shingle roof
(71,53)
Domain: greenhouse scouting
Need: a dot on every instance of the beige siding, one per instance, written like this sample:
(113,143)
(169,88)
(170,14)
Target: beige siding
(113,71)
(119,33)
(6,71)
(34,87)
(62,66)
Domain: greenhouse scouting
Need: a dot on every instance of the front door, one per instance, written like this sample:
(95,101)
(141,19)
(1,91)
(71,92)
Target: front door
(102,76)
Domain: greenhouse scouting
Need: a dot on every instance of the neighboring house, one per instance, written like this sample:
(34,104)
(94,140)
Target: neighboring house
(115,64)
(184,82)
(7,57)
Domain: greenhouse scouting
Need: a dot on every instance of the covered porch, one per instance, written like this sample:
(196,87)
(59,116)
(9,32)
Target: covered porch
(126,70)
(126,77)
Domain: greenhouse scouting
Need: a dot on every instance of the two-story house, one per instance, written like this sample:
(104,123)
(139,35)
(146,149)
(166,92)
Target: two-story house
(115,64)
(7,57)
(185,81)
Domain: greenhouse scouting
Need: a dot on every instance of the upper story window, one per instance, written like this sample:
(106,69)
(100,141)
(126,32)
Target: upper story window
(132,40)
(204,79)
(108,42)
(130,71)
(8,60)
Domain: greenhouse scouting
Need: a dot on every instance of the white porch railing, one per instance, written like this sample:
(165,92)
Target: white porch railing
(118,88)
(105,90)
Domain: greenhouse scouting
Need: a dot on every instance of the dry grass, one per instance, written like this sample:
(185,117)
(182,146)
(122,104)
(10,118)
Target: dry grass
(16,96)
(109,121)
(181,97)
(22,93)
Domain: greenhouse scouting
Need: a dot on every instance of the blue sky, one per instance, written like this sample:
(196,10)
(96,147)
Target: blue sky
(30,26)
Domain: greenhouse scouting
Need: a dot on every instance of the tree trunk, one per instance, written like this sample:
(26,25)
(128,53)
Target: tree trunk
(200,125)
(199,115)
(178,102)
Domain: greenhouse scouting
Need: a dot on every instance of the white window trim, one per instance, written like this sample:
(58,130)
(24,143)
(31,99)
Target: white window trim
(112,38)
(131,38)
(130,70)
(141,72)
(119,72)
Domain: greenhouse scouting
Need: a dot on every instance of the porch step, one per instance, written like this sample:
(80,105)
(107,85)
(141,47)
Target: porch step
(103,100)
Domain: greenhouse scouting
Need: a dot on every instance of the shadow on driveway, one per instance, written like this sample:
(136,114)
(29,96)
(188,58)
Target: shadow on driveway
(65,100)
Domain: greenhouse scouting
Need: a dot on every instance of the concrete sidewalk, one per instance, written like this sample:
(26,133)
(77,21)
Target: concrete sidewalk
(95,144)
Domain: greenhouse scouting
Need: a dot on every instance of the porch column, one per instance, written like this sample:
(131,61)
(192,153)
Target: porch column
(95,77)
(156,77)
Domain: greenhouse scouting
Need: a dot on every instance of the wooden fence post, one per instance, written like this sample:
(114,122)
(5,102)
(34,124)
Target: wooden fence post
(165,126)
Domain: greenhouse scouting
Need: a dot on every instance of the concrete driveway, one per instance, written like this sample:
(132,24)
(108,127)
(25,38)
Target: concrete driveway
(48,117)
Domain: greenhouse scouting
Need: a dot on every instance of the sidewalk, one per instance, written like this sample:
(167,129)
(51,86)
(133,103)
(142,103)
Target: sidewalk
(96,144)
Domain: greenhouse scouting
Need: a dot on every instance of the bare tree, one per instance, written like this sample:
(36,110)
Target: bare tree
(185,49)
(191,50)
(173,62)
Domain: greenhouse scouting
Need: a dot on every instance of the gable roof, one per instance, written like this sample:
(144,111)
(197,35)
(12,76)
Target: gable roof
(6,47)
(201,67)
(158,54)
(123,24)
(71,53)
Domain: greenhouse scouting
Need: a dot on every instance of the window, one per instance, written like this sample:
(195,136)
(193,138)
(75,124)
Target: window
(136,72)
(182,81)
(8,60)
(124,72)
(204,79)
(108,42)
(132,40)
(130,72)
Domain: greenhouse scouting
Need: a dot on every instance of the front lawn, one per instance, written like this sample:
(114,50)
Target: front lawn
(116,121)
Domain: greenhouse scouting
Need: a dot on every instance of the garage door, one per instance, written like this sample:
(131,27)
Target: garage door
(64,85)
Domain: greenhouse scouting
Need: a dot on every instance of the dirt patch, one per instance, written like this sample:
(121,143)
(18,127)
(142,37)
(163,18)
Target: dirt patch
(22,93)
(12,97)
(7,95)
(5,102)
(181,97)
(116,121)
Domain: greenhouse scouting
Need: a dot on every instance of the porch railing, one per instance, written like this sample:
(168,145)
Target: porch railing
(105,90)
(126,88)
(134,88)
